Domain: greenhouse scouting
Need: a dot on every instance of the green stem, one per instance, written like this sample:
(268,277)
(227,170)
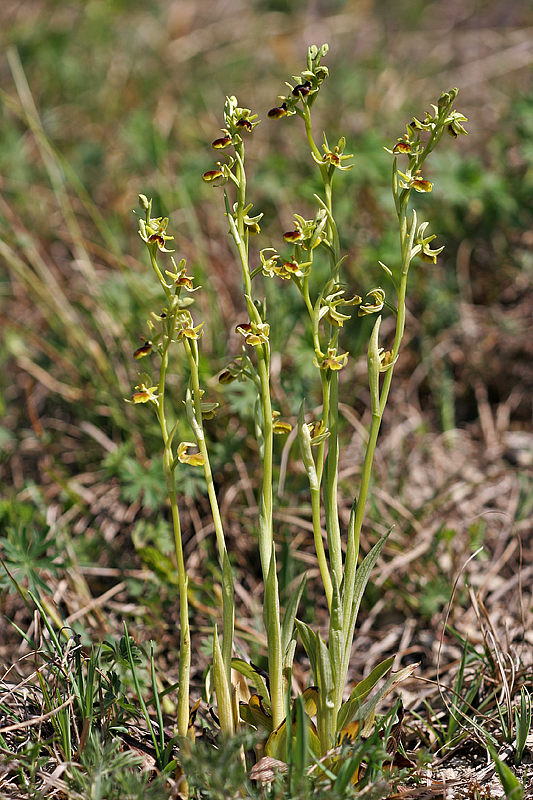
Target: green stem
(330,486)
(319,543)
(266,535)
(306,116)
(304,438)
(196,422)
(352,552)
(185,637)
(266,543)
(185,641)
(158,272)
(330,398)
(332,458)
(321,454)
(198,429)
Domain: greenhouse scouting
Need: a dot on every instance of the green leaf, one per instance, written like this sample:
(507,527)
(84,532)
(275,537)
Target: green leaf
(336,636)
(255,713)
(362,576)
(309,642)
(368,709)
(326,692)
(228,613)
(287,626)
(300,743)
(222,690)
(457,700)
(252,674)
(310,700)
(373,364)
(361,691)
(276,744)
(271,607)
(304,439)
(522,723)
(288,657)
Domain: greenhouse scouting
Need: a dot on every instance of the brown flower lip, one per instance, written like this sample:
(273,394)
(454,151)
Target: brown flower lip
(291,266)
(212,175)
(421,185)
(155,237)
(143,350)
(292,236)
(302,89)
(226,377)
(244,123)
(222,142)
(401,147)
(278,111)
(140,397)
(332,157)
(185,280)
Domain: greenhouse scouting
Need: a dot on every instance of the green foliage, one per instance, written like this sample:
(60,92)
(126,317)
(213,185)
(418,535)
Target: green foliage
(216,773)
(107,772)
(138,481)
(28,547)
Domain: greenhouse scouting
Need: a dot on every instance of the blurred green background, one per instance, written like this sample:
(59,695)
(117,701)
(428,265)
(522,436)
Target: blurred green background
(104,99)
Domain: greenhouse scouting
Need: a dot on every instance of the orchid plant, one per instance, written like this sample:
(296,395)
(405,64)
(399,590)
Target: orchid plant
(330,714)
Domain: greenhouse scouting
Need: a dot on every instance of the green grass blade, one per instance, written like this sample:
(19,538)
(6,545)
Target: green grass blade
(133,669)
(511,785)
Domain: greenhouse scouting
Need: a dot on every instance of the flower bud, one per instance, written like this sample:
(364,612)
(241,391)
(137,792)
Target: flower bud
(144,202)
